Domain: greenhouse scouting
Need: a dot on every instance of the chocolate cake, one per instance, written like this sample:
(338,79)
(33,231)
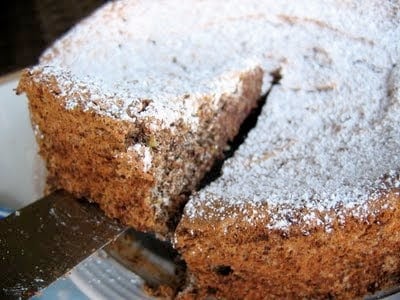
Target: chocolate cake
(133,106)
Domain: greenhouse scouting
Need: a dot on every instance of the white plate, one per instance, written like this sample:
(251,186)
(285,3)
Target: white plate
(21,173)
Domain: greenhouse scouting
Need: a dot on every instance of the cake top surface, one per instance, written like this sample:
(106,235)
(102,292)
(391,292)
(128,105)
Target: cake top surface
(175,52)
(169,52)
(328,137)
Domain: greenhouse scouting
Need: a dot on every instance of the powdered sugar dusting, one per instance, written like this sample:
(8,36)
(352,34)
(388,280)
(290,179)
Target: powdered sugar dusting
(121,56)
(144,153)
(327,140)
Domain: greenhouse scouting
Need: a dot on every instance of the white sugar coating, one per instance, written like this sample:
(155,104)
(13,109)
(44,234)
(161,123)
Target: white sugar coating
(144,153)
(174,52)
(328,138)
(169,52)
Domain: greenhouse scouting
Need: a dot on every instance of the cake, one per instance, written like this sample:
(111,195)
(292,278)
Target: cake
(309,205)
(133,106)
(131,113)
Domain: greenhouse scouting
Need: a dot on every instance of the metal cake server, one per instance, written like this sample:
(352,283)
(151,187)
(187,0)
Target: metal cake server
(43,241)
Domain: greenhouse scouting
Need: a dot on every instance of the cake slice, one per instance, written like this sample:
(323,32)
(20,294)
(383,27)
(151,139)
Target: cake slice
(309,206)
(131,107)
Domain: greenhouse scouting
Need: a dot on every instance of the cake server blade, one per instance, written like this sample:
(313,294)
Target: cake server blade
(46,239)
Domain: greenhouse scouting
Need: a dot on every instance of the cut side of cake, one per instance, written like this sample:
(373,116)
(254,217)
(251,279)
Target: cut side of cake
(309,206)
(131,113)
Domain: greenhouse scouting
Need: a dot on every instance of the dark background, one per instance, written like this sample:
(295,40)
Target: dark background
(28,27)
